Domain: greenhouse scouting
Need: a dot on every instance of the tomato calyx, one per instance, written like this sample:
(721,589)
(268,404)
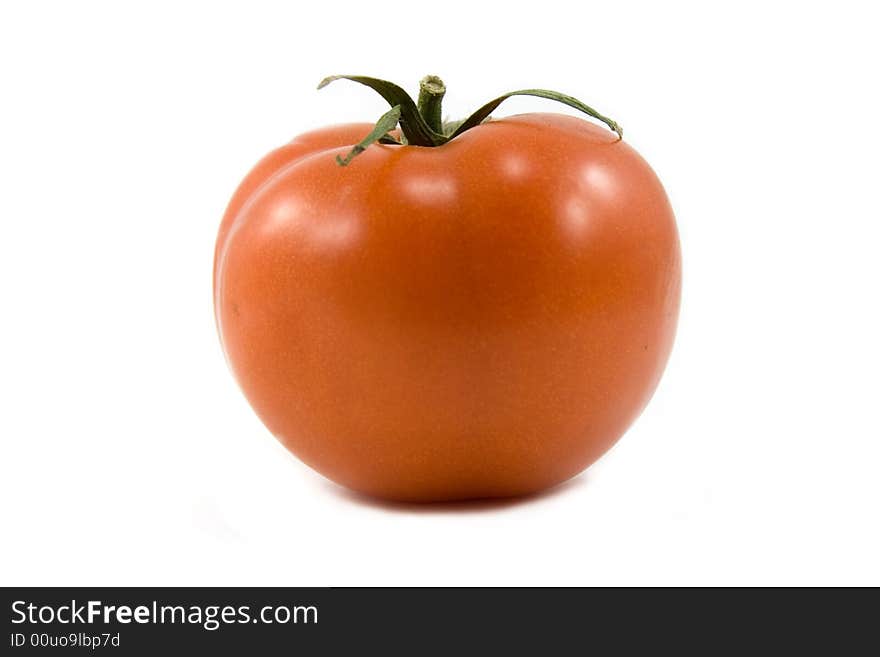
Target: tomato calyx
(421,124)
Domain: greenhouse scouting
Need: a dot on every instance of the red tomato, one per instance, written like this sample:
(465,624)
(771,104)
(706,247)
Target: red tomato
(478,319)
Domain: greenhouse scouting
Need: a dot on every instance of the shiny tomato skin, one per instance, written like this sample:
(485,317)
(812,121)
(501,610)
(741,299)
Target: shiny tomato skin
(479,319)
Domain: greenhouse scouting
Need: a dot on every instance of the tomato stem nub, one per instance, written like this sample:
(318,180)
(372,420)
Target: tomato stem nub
(431,92)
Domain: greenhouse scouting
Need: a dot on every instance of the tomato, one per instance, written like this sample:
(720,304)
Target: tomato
(478,319)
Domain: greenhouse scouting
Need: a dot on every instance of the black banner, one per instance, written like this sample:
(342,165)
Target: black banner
(135,621)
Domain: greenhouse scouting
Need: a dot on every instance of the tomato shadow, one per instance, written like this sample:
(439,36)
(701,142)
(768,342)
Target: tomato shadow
(465,506)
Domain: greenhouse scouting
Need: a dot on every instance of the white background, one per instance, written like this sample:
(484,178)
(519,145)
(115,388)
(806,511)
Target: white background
(130,457)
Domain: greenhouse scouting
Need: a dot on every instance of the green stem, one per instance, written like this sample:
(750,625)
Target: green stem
(431,92)
(421,124)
